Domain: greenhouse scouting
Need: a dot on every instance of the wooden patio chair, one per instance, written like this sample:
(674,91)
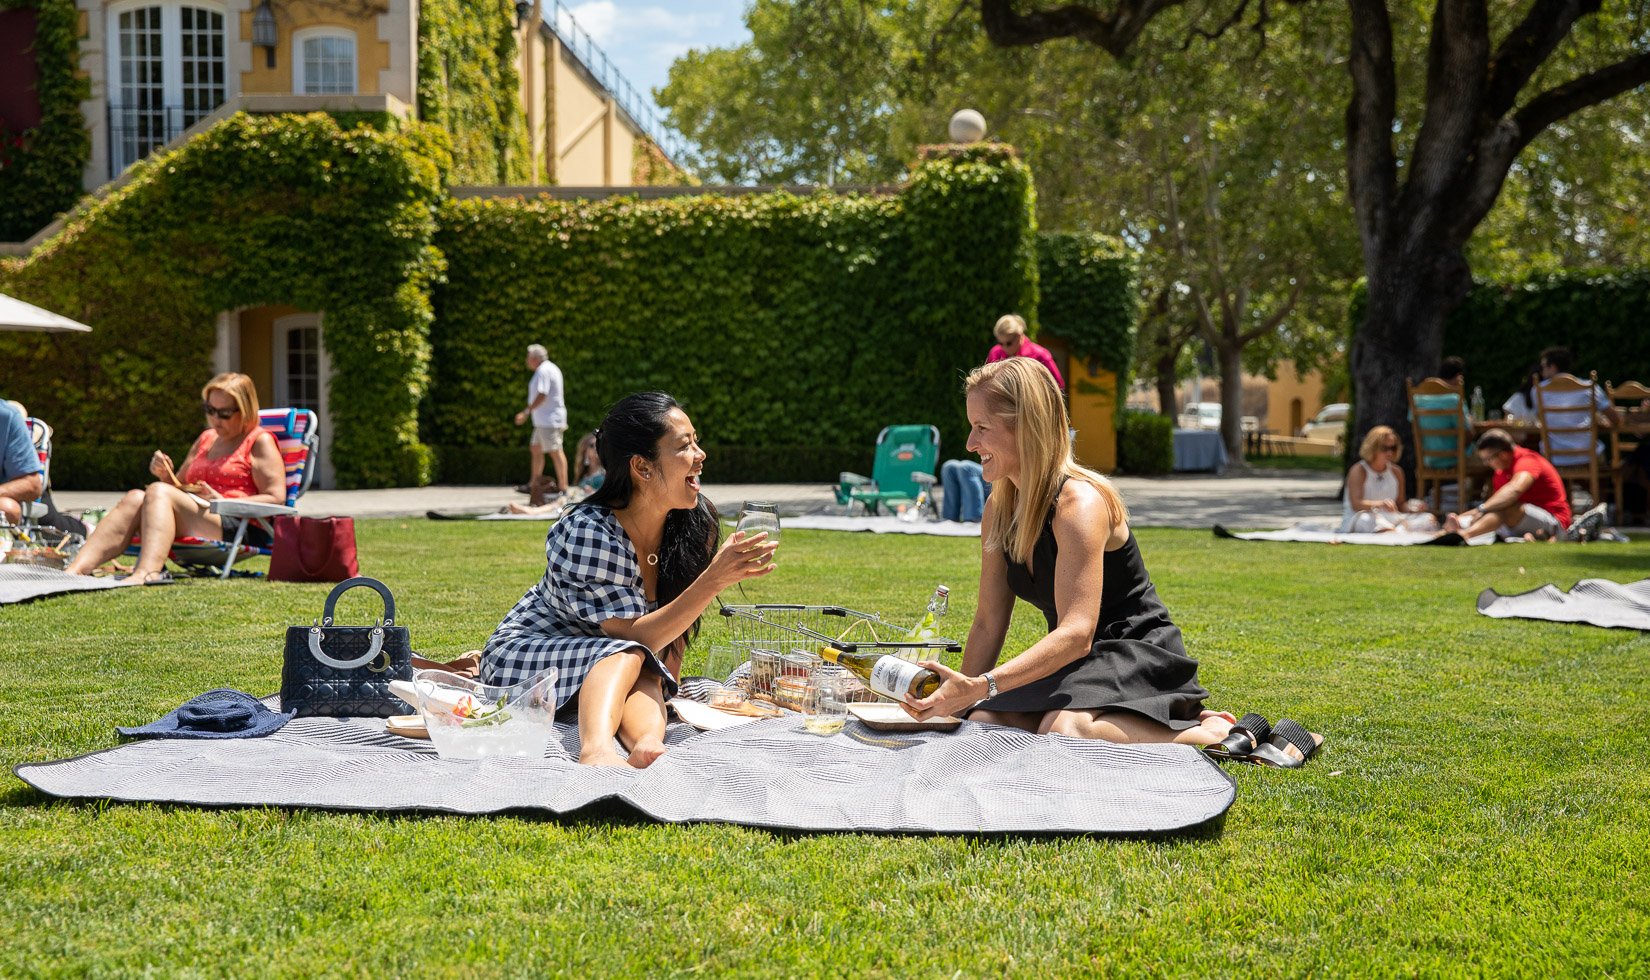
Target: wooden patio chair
(1573,414)
(1443,439)
(1625,437)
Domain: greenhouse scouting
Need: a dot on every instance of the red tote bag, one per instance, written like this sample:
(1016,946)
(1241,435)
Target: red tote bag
(313,549)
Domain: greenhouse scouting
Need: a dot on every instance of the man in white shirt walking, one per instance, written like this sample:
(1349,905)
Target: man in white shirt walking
(547,407)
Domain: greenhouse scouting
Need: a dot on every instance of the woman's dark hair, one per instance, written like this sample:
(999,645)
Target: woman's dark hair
(633,427)
(1452,367)
(1530,381)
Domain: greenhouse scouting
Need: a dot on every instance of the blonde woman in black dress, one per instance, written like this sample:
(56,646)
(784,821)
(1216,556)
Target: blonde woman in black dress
(1056,534)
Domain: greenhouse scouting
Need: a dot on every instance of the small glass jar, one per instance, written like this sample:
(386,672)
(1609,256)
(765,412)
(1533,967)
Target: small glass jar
(764,669)
(792,691)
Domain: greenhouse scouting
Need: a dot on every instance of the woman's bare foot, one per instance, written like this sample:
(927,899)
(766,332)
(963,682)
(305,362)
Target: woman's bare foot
(1231,719)
(607,758)
(646,752)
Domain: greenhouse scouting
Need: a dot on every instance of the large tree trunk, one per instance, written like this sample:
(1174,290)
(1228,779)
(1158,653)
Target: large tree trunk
(1165,368)
(1411,294)
(1231,400)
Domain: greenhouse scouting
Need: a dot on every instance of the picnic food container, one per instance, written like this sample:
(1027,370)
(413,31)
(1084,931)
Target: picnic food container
(786,639)
(47,547)
(467,719)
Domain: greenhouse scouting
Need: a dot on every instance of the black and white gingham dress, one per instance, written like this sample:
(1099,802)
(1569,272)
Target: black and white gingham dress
(591,575)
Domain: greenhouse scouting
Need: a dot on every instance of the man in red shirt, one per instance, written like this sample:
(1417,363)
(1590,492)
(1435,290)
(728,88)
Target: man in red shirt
(1526,495)
(1012,342)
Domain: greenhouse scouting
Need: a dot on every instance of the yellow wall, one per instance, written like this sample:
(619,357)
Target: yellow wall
(258,348)
(1093,398)
(1282,393)
(371,55)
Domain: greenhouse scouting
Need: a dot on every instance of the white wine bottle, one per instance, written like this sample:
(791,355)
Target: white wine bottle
(889,676)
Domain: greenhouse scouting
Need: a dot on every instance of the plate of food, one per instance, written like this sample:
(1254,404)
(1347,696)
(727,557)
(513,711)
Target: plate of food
(886,716)
(712,718)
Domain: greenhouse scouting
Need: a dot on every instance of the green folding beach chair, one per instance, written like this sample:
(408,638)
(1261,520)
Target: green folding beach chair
(903,471)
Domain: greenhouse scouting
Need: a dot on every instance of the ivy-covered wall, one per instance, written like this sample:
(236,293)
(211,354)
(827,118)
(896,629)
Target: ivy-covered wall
(258,210)
(1088,296)
(793,328)
(40,168)
(468,84)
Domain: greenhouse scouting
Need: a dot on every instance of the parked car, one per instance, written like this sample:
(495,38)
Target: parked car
(1329,425)
(1206,415)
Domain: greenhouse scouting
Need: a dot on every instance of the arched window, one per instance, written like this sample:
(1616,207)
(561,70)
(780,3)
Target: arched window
(167,70)
(324,61)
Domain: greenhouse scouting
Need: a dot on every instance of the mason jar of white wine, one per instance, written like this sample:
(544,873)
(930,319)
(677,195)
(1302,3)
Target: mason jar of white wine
(889,676)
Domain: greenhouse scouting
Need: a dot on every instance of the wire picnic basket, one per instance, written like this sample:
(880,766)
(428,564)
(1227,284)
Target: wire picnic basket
(781,646)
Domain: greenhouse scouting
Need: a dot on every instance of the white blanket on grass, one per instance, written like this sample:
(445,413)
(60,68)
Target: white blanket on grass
(1595,601)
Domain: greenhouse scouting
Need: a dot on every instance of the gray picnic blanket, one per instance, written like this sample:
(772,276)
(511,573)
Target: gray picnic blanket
(1326,533)
(771,773)
(1596,601)
(20,583)
(883,524)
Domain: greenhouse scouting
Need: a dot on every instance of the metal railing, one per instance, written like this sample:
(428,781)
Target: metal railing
(137,131)
(638,107)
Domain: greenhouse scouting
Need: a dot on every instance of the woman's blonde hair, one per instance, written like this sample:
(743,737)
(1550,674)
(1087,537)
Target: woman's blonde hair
(242,390)
(1372,443)
(1022,395)
(1009,325)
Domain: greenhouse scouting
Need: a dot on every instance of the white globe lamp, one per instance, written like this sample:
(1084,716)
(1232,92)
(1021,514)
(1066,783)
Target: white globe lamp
(967,126)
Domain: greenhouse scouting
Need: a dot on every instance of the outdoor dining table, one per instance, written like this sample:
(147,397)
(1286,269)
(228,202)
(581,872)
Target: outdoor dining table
(1198,450)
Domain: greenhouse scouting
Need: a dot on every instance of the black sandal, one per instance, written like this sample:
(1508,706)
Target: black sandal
(1250,732)
(1275,752)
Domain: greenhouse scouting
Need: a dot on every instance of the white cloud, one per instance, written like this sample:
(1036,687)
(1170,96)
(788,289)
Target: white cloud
(600,18)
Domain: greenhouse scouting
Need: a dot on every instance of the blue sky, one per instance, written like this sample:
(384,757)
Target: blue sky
(643,37)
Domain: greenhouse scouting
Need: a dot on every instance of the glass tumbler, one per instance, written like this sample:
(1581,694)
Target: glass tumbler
(826,709)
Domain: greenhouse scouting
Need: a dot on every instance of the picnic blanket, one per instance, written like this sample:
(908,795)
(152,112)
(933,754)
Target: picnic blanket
(883,525)
(771,773)
(1326,534)
(443,515)
(20,583)
(1596,601)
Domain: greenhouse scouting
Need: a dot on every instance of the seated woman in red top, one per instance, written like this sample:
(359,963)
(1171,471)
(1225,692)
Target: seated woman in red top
(234,457)
(1527,499)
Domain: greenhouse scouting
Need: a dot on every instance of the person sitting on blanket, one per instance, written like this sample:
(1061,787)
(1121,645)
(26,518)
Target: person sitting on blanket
(1057,534)
(587,464)
(234,458)
(629,571)
(1374,487)
(1527,498)
(22,478)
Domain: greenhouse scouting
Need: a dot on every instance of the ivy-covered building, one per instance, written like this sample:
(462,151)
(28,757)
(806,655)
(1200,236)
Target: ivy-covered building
(88,88)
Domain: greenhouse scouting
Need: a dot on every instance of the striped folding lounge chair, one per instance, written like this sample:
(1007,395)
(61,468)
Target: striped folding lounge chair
(296,434)
(41,434)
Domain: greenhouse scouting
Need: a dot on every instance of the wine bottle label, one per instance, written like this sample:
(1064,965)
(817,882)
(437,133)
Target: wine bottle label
(891,677)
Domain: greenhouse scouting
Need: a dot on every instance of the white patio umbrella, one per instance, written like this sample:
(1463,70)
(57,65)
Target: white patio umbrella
(18,315)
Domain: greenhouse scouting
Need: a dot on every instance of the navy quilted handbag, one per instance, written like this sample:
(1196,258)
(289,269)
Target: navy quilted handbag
(345,671)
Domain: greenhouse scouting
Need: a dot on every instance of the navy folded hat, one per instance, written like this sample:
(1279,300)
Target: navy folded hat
(220,713)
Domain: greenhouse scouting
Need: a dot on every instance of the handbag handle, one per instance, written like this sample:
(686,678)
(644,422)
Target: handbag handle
(331,661)
(360,581)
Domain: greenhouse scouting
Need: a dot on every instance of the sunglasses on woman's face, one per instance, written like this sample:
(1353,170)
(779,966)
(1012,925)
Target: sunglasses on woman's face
(223,413)
(1390,449)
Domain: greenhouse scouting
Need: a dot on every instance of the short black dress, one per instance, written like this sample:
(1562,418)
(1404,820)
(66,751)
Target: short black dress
(1137,662)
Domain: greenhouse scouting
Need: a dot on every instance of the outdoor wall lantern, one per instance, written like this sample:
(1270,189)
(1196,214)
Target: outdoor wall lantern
(263,31)
(523,8)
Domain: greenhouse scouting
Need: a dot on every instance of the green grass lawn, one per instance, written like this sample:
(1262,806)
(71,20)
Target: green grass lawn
(1479,807)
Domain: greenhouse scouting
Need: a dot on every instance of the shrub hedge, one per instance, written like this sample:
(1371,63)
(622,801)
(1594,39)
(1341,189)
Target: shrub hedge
(779,321)
(258,210)
(1600,316)
(40,168)
(1501,327)
(1145,443)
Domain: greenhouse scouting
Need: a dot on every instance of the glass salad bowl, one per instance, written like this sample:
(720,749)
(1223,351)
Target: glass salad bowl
(467,719)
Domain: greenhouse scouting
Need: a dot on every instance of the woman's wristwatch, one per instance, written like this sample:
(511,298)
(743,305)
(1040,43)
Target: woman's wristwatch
(990,685)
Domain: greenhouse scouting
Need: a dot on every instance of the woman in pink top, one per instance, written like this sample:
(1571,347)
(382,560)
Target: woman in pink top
(1012,342)
(234,457)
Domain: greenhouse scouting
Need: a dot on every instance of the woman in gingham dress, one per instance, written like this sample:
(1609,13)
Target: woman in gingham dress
(628,574)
